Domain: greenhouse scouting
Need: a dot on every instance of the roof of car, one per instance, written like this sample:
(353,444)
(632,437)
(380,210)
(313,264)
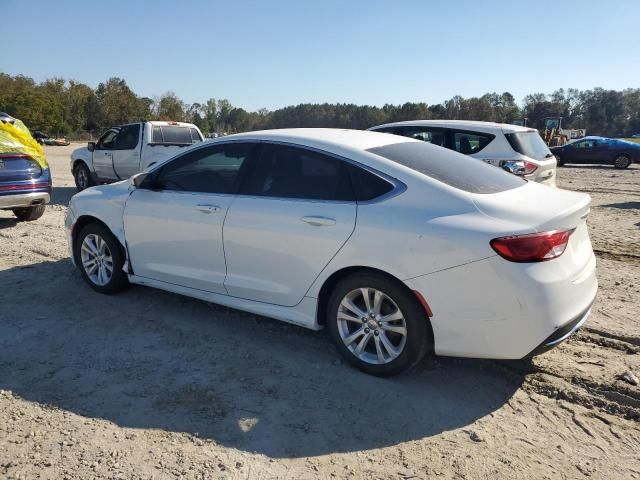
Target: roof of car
(472,124)
(358,139)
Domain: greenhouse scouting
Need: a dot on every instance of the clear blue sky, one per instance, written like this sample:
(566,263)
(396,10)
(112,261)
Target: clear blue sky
(277,53)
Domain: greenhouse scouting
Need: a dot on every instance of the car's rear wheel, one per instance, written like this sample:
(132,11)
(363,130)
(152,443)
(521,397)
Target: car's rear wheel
(29,214)
(82,176)
(377,324)
(100,258)
(621,161)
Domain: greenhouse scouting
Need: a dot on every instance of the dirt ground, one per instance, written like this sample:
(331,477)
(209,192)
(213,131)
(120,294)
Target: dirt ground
(148,384)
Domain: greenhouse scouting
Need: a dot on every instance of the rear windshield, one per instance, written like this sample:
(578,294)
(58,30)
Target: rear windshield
(459,171)
(175,135)
(529,144)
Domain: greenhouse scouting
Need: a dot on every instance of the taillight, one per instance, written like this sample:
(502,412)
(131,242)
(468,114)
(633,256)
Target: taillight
(529,167)
(532,247)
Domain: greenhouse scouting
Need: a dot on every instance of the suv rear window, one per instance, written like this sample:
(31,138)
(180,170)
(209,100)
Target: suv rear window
(458,171)
(173,134)
(530,144)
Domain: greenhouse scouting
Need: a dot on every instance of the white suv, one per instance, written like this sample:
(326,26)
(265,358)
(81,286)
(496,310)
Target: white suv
(518,149)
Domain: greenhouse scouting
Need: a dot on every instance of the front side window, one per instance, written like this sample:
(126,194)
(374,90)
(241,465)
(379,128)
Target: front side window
(107,141)
(469,143)
(464,173)
(127,138)
(215,169)
(290,172)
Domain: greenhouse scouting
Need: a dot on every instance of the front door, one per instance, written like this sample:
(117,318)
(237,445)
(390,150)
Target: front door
(295,211)
(126,152)
(173,223)
(103,156)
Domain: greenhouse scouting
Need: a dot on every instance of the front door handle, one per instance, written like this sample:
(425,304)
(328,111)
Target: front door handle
(318,221)
(207,208)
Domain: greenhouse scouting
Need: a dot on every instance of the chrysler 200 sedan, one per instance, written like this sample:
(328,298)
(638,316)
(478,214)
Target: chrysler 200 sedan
(396,246)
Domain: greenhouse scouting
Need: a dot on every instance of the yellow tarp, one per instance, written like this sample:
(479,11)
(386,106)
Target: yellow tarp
(15,137)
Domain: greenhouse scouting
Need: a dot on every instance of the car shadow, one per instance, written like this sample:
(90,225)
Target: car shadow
(623,205)
(62,195)
(151,359)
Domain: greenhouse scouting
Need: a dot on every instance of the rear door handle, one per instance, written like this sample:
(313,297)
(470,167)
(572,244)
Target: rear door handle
(318,221)
(207,208)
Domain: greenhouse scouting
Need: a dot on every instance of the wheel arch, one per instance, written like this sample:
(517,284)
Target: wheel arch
(332,280)
(85,220)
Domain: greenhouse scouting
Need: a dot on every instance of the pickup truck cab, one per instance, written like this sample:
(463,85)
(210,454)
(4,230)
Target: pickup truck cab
(125,150)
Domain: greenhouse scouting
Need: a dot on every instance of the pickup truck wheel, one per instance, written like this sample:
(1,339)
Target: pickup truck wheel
(29,213)
(82,176)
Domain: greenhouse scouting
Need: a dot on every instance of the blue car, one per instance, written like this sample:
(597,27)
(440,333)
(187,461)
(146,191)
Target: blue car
(601,150)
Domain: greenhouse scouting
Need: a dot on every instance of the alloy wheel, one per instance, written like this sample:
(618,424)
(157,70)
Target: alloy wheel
(371,326)
(97,260)
(81,177)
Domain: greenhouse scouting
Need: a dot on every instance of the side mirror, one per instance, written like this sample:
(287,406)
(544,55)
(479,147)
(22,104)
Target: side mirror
(137,179)
(91,146)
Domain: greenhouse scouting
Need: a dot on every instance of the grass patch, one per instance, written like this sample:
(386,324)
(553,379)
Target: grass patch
(634,140)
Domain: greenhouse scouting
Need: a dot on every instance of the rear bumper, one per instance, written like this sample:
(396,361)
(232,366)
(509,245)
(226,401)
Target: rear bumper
(502,310)
(562,333)
(22,200)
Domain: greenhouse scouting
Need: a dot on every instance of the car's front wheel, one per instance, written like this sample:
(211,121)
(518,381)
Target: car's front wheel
(621,161)
(377,324)
(82,176)
(100,258)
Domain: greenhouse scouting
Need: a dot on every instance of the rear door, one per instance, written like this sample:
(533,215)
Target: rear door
(126,151)
(173,224)
(295,211)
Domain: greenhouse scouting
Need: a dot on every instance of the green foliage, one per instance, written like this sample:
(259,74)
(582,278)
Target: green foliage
(70,107)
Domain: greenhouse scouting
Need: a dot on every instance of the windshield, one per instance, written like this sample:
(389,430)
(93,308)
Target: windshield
(529,144)
(456,170)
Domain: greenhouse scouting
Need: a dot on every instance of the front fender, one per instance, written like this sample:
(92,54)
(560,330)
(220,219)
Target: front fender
(82,154)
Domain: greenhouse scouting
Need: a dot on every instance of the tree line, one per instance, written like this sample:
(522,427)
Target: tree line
(68,107)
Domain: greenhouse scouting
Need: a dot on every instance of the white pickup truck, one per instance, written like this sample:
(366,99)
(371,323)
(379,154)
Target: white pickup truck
(128,149)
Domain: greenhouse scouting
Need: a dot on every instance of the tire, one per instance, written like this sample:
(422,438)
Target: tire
(348,335)
(100,258)
(559,161)
(29,214)
(82,176)
(621,162)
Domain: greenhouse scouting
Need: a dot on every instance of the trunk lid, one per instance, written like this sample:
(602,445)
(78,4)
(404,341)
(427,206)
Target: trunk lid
(536,207)
(17,167)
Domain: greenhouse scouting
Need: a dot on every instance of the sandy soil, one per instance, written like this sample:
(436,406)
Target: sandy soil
(148,384)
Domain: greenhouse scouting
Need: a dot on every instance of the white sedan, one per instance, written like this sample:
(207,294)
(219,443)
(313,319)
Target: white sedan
(398,247)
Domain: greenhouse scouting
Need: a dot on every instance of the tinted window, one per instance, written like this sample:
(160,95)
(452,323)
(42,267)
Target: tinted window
(107,141)
(529,144)
(368,185)
(290,172)
(470,142)
(172,134)
(584,144)
(431,135)
(195,136)
(127,138)
(215,169)
(466,174)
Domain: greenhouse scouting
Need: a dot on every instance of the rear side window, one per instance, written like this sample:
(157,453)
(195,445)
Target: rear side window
(172,134)
(530,144)
(195,136)
(466,174)
(290,172)
(127,138)
(469,143)
(367,185)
